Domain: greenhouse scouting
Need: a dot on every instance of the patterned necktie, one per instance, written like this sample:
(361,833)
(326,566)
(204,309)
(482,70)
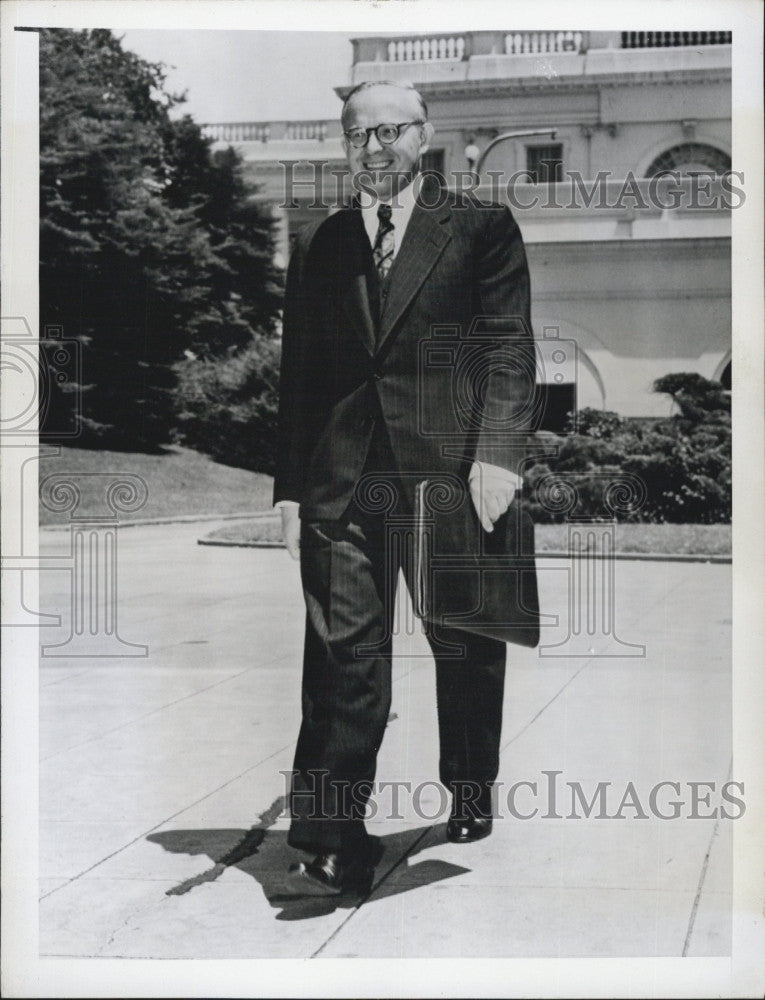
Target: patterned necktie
(385,242)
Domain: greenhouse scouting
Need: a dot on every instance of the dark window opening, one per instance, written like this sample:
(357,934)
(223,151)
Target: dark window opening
(556,401)
(545,163)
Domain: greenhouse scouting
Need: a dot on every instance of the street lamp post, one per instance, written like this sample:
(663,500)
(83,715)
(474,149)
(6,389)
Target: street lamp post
(474,156)
(472,153)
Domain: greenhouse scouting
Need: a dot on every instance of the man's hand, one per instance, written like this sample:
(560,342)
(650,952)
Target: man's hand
(492,490)
(291,528)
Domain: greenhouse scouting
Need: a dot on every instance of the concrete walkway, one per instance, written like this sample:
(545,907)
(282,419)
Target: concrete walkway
(161,802)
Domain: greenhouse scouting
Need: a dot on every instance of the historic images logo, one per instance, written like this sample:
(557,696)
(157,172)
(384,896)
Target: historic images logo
(322,185)
(547,796)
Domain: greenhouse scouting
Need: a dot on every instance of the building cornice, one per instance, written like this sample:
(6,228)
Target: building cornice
(541,85)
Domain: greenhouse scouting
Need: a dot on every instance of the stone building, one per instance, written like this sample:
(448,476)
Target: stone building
(630,270)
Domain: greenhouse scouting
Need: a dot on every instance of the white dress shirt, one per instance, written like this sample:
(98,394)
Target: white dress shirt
(402,206)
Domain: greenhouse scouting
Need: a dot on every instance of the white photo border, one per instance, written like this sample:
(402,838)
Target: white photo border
(24,973)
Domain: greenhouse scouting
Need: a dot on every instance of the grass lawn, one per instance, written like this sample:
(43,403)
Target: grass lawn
(179,481)
(666,539)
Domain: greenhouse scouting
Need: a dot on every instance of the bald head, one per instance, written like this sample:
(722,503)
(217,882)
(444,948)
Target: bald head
(402,94)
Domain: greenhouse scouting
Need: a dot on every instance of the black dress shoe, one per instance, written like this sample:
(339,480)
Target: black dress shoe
(468,829)
(332,874)
(321,877)
(471,816)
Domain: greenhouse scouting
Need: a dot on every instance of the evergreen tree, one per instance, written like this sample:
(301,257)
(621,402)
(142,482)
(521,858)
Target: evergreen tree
(149,248)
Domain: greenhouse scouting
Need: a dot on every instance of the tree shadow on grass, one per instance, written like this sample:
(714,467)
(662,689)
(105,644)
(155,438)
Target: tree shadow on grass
(263,853)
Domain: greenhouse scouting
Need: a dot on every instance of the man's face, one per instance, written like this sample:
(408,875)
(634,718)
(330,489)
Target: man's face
(377,167)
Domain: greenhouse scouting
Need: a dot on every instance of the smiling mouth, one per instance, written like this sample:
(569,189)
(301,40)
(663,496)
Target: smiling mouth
(375,165)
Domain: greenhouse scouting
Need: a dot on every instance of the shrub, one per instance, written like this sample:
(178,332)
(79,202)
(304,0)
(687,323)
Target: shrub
(227,407)
(596,423)
(684,461)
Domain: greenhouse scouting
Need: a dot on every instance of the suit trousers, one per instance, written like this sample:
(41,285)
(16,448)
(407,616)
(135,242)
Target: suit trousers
(349,571)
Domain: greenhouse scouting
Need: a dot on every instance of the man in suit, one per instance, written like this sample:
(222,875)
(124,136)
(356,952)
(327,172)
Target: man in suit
(365,286)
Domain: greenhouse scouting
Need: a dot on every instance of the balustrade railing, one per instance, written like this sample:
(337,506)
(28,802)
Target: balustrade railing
(238,131)
(316,131)
(459,47)
(306,130)
(525,42)
(424,49)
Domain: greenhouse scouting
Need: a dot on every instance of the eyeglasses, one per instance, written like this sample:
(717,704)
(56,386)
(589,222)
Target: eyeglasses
(386,133)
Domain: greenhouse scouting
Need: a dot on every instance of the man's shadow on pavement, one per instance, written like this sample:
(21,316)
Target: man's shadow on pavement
(264,854)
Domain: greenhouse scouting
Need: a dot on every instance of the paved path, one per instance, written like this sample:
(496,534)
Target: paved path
(162,834)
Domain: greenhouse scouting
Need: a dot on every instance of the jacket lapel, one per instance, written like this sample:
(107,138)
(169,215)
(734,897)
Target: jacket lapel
(423,243)
(354,284)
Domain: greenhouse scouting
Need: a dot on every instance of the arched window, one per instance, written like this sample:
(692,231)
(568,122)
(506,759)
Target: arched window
(691,158)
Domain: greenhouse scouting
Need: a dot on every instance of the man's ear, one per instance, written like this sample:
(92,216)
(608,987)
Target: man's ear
(426,131)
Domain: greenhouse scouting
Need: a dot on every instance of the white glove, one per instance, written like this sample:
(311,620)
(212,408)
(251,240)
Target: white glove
(492,489)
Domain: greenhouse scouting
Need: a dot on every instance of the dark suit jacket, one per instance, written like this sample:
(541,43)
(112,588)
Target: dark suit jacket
(352,357)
